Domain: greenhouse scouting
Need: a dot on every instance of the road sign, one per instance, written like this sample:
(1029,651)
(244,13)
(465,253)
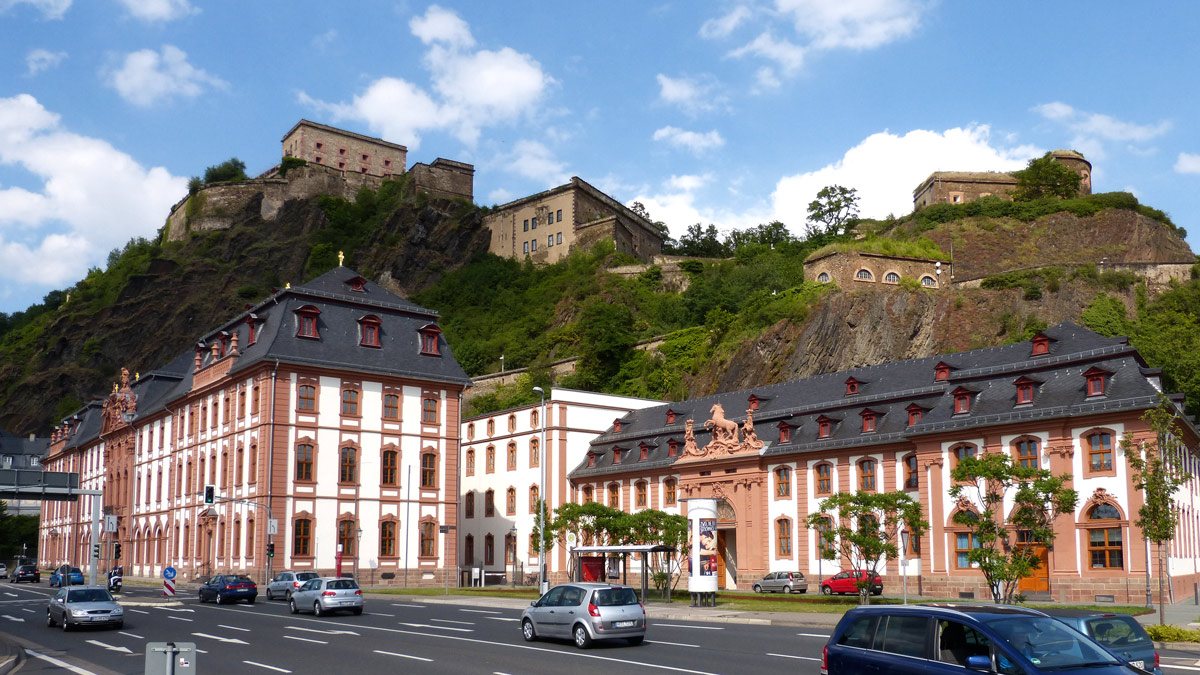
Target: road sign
(169,572)
(110,523)
(170,657)
(273,526)
(443,529)
(168,588)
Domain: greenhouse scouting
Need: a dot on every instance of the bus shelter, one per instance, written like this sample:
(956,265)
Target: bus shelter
(606,553)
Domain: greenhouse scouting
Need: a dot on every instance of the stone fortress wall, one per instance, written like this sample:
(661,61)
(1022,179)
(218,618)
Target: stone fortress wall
(854,269)
(960,187)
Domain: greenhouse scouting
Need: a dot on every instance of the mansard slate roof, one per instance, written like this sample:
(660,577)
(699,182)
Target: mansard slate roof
(340,309)
(888,390)
(21,445)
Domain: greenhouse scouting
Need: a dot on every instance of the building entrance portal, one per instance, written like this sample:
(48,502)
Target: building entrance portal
(726,545)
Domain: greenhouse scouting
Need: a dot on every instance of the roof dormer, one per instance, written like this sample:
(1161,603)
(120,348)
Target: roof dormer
(869,419)
(785,432)
(941,372)
(306,322)
(915,413)
(1041,344)
(670,416)
(962,400)
(357,284)
(617,425)
(825,426)
(1025,387)
(852,386)
(1097,381)
(430,335)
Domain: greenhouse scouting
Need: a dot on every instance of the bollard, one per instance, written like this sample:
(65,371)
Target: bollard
(1196,593)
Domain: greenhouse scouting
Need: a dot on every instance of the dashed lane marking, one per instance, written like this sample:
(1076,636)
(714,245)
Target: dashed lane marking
(812,635)
(244,630)
(179,618)
(479,611)
(791,656)
(59,662)
(139,637)
(139,611)
(501,618)
(426,625)
(263,665)
(464,623)
(403,656)
(673,644)
(303,639)
(399,604)
(676,625)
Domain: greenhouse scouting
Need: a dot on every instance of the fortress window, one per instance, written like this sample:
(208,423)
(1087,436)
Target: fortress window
(341,152)
(558,215)
(306,320)
(341,165)
(362,170)
(891,278)
(533,222)
(387,163)
(317,159)
(823,277)
(558,238)
(928,281)
(864,275)
(320,145)
(533,244)
(550,218)
(366,158)
(525,247)
(549,241)
(526,225)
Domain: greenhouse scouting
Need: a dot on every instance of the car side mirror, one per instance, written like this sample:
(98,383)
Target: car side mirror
(534,603)
(978,662)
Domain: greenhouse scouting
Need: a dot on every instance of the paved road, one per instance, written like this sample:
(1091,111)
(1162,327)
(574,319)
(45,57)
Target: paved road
(390,636)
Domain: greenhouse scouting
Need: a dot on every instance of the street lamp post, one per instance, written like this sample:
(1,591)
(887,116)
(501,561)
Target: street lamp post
(904,535)
(542,456)
(510,550)
(357,550)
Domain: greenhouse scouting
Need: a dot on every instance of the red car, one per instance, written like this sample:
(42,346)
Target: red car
(847,583)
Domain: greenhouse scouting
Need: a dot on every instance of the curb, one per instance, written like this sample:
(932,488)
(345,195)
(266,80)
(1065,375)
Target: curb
(12,658)
(1179,646)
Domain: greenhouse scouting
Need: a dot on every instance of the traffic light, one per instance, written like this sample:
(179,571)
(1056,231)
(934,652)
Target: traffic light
(117,551)
(96,551)
(271,549)
(210,494)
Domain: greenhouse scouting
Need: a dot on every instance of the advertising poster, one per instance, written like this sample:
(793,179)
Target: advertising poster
(691,568)
(614,568)
(708,546)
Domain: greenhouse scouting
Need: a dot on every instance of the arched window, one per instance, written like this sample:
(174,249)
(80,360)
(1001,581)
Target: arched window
(489,503)
(891,278)
(429,471)
(387,539)
(1100,456)
(614,496)
(1104,543)
(864,275)
(471,431)
(510,549)
(912,478)
(304,462)
(669,498)
(491,427)
(301,537)
(823,530)
(866,475)
(512,423)
(512,456)
(961,452)
(469,504)
(346,536)
(428,539)
(533,419)
(1026,450)
(533,498)
(469,551)
(783,482)
(589,494)
(306,398)
(347,465)
(823,277)
(471,462)
(640,497)
(350,402)
(489,550)
(388,467)
(535,455)
(928,281)
(391,406)
(491,459)
(429,410)
(510,502)
(783,538)
(824,478)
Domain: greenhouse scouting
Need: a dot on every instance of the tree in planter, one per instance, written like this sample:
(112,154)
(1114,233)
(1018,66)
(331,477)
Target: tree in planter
(858,534)
(1038,498)
(1158,471)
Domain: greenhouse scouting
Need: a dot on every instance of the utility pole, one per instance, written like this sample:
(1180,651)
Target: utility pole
(543,454)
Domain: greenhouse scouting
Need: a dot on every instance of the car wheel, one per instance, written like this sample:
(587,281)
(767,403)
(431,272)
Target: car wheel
(582,639)
(292,606)
(787,589)
(826,590)
(120,625)
(757,588)
(66,626)
(287,595)
(317,609)
(220,598)
(200,596)
(358,611)
(527,631)
(251,601)
(269,598)
(635,641)
(49,620)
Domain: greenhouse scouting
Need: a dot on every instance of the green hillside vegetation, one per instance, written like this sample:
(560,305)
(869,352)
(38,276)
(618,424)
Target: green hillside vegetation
(920,247)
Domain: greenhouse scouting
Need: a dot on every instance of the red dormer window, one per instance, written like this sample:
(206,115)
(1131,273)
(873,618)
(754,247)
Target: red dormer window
(941,372)
(429,340)
(1024,390)
(1097,380)
(591,459)
(223,344)
(670,417)
(645,452)
(357,284)
(914,414)
(1041,345)
(868,418)
(962,400)
(824,426)
(617,426)
(251,329)
(672,448)
(753,403)
(368,328)
(785,432)
(306,318)
(616,455)
(851,387)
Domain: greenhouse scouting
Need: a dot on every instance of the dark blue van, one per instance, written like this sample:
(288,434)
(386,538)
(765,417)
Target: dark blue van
(953,639)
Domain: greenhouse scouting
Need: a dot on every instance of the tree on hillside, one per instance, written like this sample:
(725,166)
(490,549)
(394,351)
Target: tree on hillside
(985,485)
(765,234)
(640,209)
(1158,471)
(850,526)
(606,336)
(1045,177)
(833,211)
(700,242)
(232,169)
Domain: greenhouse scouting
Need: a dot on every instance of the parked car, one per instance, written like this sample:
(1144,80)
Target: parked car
(586,612)
(66,575)
(847,582)
(788,582)
(26,573)
(3,571)
(78,606)
(946,638)
(1120,633)
(286,583)
(225,588)
(325,595)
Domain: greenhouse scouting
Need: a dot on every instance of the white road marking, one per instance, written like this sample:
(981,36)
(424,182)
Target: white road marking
(60,663)
(293,637)
(109,647)
(323,632)
(789,656)
(139,611)
(139,637)
(501,618)
(176,609)
(812,635)
(675,625)
(382,614)
(222,639)
(13,595)
(479,611)
(244,630)
(397,604)
(263,665)
(14,618)
(26,609)
(425,625)
(673,644)
(1170,665)
(403,656)
(179,618)
(464,623)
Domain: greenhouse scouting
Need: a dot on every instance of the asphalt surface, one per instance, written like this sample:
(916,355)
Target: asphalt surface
(392,635)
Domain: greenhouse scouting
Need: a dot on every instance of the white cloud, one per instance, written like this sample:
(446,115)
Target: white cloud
(147,77)
(1090,130)
(38,60)
(500,196)
(158,10)
(692,141)
(93,198)
(853,24)
(677,203)
(687,182)
(886,167)
(787,55)
(1187,163)
(51,9)
(722,26)
(324,40)
(470,89)
(692,95)
(535,161)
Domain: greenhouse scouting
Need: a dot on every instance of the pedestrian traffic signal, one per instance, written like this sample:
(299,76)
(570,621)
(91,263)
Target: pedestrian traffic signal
(271,549)
(117,551)
(210,494)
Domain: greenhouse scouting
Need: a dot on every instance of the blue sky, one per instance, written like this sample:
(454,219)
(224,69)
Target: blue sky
(733,113)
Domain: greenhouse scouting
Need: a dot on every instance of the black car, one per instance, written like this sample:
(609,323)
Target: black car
(225,588)
(26,573)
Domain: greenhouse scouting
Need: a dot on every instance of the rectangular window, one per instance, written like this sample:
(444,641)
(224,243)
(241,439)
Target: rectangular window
(1024,393)
(533,223)
(429,411)
(388,469)
(301,537)
(783,482)
(558,215)
(304,462)
(558,238)
(349,402)
(549,241)
(387,539)
(963,543)
(391,406)
(784,539)
(550,218)
(525,247)
(428,540)
(526,225)
(429,471)
(533,245)
(307,399)
(824,479)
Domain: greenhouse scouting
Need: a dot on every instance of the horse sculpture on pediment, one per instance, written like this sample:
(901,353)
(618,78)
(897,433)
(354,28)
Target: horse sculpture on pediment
(723,431)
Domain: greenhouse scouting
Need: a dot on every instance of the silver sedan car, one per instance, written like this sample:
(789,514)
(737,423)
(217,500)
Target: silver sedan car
(327,595)
(585,612)
(286,583)
(77,606)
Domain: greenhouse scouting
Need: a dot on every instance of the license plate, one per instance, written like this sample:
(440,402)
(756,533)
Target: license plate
(624,624)
(1138,664)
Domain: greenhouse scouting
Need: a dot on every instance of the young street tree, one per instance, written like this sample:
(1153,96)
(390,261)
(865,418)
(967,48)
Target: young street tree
(984,484)
(857,534)
(1158,471)
(833,211)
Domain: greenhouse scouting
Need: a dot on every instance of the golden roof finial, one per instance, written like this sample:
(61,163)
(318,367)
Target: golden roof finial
(137,376)
(288,285)
(114,387)
(341,257)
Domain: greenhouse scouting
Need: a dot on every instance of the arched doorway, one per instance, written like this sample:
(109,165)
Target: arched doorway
(727,565)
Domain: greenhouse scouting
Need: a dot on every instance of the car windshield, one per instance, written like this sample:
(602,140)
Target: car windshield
(612,597)
(342,585)
(1049,644)
(1117,632)
(305,576)
(89,595)
(76,570)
